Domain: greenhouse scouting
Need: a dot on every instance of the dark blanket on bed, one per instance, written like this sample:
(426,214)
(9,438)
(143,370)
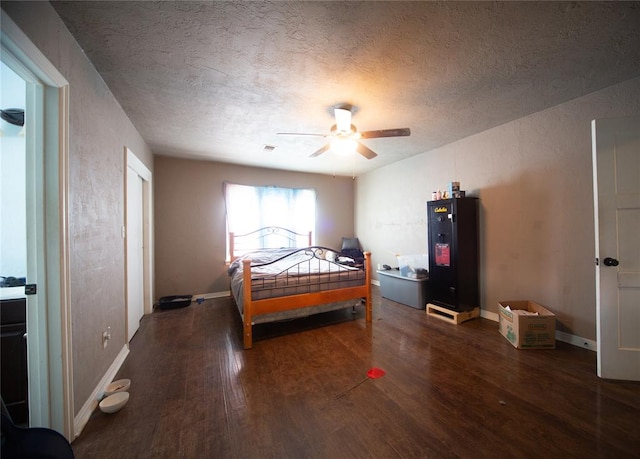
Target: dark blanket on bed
(356,254)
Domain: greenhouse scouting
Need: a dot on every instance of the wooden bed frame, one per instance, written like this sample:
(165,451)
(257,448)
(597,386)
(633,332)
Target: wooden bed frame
(253,308)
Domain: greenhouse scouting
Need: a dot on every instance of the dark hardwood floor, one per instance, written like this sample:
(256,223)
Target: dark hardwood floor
(303,392)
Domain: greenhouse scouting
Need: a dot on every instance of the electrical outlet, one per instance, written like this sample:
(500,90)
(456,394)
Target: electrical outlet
(106,336)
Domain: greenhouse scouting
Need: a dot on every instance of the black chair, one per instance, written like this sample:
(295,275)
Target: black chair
(32,442)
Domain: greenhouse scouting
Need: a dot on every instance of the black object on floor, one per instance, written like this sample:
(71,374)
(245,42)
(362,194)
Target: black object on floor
(33,442)
(174,302)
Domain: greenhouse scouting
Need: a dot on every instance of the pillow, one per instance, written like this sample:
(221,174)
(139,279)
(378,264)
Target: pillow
(330,256)
(350,243)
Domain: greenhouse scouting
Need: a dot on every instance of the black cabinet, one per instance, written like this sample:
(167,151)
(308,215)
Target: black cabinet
(13,347)
(453,253)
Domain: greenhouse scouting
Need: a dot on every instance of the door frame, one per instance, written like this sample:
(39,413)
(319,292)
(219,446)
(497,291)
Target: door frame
(132,161)
(50,358)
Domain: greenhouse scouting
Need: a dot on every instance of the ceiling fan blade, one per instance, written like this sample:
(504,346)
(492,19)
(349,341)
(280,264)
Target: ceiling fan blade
(300,133)
(322,150)
(365,151)
(399,132)
(343,119)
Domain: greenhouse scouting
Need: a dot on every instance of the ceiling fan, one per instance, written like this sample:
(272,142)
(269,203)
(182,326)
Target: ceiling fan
(343,136)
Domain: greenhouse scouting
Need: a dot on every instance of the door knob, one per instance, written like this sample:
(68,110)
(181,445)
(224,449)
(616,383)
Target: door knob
(610,262)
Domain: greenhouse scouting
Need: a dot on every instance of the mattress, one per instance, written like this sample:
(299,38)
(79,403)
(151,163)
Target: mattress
(283,272)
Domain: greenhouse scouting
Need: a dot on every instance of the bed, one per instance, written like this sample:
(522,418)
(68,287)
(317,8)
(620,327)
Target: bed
(293,280)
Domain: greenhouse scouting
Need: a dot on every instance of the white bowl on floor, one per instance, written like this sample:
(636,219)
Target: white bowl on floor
(114,402)
(121,385)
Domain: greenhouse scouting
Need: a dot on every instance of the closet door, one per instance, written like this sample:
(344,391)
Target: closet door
(135,252)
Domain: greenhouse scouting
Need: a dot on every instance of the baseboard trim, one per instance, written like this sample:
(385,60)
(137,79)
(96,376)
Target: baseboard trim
(489,315)
(92,403)
(577,341)
(210,296)
(560,336)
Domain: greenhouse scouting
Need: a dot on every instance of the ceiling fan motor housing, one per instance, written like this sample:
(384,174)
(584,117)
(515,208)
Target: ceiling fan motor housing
(344,133)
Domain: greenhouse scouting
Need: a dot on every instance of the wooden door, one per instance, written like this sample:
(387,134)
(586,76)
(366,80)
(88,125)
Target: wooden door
(135,265)
(616,175)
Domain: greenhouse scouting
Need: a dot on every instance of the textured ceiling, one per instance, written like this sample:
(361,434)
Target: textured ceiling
(218,80)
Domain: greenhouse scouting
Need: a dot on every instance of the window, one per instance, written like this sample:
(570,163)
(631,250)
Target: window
(252,207)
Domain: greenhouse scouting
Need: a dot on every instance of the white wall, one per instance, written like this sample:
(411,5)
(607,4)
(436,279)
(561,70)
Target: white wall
(534,180)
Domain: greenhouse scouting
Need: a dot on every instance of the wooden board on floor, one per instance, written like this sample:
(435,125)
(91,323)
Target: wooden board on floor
(453,317)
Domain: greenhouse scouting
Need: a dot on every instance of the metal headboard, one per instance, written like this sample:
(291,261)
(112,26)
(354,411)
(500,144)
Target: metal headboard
(267,237)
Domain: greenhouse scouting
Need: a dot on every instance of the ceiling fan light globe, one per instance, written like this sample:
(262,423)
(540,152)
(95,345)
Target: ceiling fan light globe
(344,146)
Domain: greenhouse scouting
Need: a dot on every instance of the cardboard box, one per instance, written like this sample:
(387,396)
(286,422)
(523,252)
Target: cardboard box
(525,330)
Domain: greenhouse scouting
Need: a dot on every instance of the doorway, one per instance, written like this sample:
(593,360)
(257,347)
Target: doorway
(48,322)
(13,246)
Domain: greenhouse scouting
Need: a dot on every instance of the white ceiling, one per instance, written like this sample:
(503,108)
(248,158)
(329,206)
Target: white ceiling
(217,80)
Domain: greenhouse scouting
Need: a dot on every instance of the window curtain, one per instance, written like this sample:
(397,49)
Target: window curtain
(249,208)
